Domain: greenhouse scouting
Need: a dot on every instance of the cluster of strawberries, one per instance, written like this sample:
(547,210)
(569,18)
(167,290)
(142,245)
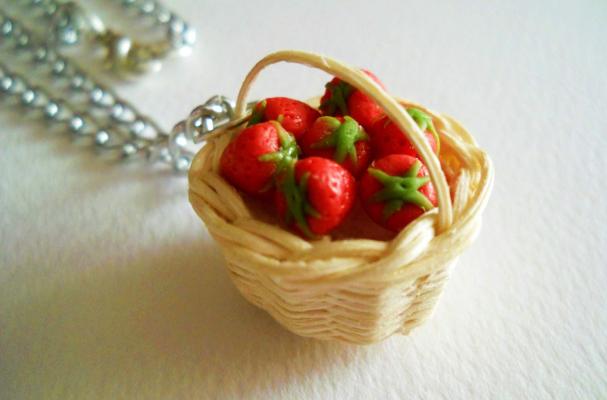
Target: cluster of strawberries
(312,161)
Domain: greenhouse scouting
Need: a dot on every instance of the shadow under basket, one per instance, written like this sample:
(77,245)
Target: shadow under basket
(353,289)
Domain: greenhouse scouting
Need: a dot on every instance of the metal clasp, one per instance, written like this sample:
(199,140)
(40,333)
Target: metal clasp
(127,56)
(71,22)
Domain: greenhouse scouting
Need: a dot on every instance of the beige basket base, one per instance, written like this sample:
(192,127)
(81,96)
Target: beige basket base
(351,314)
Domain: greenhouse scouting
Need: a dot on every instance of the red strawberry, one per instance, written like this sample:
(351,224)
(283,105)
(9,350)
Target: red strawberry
(252,159)
(395,190)
(341,98)
(315,196)
(294,115)
(387,138)
(340,139)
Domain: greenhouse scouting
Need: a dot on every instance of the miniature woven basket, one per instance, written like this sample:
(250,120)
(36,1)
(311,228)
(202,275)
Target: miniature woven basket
(357,290)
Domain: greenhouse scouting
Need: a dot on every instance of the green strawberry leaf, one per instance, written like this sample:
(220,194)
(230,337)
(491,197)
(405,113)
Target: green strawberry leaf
(400,190)
(424,121)
(286,155)
(340,91)
(343,138)
(298,206)
(258,113)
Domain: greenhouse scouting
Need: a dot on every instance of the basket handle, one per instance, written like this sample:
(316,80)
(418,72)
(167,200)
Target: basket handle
(393,110)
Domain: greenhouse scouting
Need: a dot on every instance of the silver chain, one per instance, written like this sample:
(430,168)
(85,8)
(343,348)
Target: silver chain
(90,109)
(70,24)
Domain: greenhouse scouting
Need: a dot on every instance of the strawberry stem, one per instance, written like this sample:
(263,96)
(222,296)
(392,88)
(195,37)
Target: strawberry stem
(424,121)
(343,138)
(400,190)
(295,194)
(340,91)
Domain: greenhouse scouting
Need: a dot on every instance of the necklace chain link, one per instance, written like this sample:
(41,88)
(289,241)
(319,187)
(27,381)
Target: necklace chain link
(89,108)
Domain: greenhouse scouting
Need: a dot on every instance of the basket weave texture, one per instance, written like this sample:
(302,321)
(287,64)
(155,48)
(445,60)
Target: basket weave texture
(351,290)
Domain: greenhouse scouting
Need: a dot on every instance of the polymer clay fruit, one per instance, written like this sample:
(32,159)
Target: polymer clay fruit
(294,115)
(387,138)
(252,158)
(395,190)
(341,139)
(315,196)
(341,98)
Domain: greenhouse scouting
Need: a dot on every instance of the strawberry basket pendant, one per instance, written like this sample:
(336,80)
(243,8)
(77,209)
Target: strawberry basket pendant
(333,239)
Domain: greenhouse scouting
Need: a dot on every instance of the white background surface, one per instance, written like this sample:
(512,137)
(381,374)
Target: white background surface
(110,287)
